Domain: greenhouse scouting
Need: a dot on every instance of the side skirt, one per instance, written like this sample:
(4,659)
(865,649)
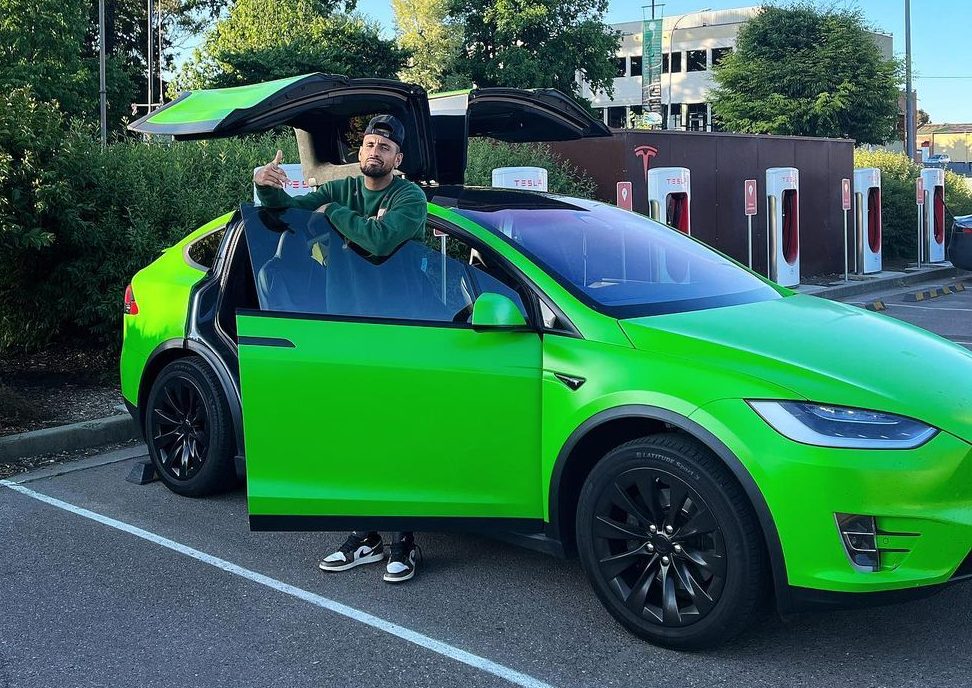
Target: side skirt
(402,523)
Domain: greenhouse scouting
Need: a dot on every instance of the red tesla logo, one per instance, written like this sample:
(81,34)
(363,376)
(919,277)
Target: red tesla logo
(646,153)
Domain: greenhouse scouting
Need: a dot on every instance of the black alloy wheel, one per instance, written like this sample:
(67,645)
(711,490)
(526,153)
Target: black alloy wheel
(670,543)
(659,547)
(180,428)
(189,429)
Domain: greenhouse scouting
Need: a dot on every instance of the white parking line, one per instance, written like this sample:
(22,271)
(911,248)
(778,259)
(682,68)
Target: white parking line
(406,634)
(926,308)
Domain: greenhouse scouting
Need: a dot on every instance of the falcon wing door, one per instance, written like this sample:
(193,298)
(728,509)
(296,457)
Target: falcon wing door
(507,114)
(322,109)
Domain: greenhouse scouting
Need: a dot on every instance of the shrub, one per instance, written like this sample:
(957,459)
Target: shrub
(899,213)
(105,214)
(562,176)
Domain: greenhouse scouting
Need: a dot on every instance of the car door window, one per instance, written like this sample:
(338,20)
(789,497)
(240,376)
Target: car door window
(301,264)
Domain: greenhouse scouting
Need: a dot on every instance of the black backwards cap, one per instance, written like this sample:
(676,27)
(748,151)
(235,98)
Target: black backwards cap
(387,126)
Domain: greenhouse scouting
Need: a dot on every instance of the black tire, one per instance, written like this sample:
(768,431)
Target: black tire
(189,430)
(690,587)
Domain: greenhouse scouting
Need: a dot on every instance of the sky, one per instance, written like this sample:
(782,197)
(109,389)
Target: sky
(941,42)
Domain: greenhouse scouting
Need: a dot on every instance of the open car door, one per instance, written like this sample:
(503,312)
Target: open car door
(323,109)
(506,114)
(369,399)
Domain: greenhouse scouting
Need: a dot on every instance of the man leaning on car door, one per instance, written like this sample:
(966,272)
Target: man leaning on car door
(378,211)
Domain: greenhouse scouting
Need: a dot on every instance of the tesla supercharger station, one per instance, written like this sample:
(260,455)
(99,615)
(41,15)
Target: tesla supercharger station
(867,200)
(528,178)
(933,217)
(669,200)
(670,192)
(295,186)
(783,225)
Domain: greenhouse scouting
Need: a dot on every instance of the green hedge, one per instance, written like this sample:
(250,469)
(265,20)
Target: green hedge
(76,222)
(899,213)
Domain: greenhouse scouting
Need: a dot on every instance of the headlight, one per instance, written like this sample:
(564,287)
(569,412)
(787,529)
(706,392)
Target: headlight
(841,426)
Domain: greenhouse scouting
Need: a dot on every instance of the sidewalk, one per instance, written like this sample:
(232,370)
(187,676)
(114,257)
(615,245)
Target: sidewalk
(883,281)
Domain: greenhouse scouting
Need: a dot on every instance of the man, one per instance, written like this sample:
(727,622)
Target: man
(378,212)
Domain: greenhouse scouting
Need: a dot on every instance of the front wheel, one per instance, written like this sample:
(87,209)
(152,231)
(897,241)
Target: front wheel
(670,543)
(189,430)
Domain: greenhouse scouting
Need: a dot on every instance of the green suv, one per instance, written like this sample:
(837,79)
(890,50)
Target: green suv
(567,374)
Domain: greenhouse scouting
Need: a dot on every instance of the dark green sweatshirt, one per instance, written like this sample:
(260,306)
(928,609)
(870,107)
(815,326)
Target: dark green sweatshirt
(377,221)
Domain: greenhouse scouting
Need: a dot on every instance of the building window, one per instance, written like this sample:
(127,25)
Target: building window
(634,116)
(616,117)
(636,66)
(719,54)
(695,60)
(671,61)
(674,114)
(620,68)
(698,117)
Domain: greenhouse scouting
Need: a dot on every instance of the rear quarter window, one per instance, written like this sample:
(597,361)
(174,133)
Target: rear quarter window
(202,252)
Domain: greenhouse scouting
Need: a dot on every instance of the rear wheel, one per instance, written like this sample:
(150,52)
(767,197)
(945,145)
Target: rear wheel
(670,543)
(189,430)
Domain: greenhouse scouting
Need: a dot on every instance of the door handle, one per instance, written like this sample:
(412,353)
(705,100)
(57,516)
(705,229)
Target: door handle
(266,341)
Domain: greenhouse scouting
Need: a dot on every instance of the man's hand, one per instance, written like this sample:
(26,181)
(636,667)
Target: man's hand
(271,174)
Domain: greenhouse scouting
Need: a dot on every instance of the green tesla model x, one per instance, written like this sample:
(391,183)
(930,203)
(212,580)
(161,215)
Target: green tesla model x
(571,375)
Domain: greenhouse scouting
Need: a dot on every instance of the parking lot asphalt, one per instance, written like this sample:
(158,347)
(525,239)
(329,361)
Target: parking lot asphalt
(949,315)
(146,588)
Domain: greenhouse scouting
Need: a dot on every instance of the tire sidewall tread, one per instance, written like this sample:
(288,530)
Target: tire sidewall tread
(218,472)
(688,459)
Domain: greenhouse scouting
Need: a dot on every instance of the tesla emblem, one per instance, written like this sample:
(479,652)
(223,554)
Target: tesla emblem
(646,153)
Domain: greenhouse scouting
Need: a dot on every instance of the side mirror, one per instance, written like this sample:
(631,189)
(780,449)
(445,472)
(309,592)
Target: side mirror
(492,311)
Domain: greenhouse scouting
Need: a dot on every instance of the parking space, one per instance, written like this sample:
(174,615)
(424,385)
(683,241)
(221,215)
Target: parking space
(88,604)
(949,315)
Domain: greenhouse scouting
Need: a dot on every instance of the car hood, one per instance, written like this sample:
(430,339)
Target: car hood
(826,352)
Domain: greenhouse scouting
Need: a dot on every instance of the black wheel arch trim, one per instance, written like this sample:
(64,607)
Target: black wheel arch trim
(137,410)
(227,383)
(190,346)
(771,535)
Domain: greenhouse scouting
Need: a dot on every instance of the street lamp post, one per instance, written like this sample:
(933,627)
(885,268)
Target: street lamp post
(671,51)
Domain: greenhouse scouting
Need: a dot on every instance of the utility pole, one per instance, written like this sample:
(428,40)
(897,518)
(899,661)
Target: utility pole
(150,74)
(102,89)
(161,90)
(910,143)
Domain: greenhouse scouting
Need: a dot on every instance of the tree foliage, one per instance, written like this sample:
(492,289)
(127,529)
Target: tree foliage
(805,71)
(536,43)
(432,41)
(40,49)
(260,40)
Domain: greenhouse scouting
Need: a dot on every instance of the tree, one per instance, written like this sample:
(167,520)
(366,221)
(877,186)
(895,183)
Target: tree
(805,71)
(260,40)
(432,41)
(536,43)
(923,118)
(40,50)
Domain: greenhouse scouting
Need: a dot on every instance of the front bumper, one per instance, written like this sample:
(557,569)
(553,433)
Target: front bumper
(921,500)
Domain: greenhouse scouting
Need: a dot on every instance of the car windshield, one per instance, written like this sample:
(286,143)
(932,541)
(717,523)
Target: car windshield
(618,262)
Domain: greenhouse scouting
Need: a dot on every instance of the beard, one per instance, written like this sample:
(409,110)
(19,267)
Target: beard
(375,169)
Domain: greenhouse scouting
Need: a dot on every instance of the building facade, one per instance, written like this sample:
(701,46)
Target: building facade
(692,44)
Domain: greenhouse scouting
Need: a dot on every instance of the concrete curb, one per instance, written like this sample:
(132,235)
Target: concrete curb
(881,283)
(73,437)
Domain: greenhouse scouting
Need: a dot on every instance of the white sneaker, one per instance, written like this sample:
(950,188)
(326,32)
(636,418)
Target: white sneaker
(356,550)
